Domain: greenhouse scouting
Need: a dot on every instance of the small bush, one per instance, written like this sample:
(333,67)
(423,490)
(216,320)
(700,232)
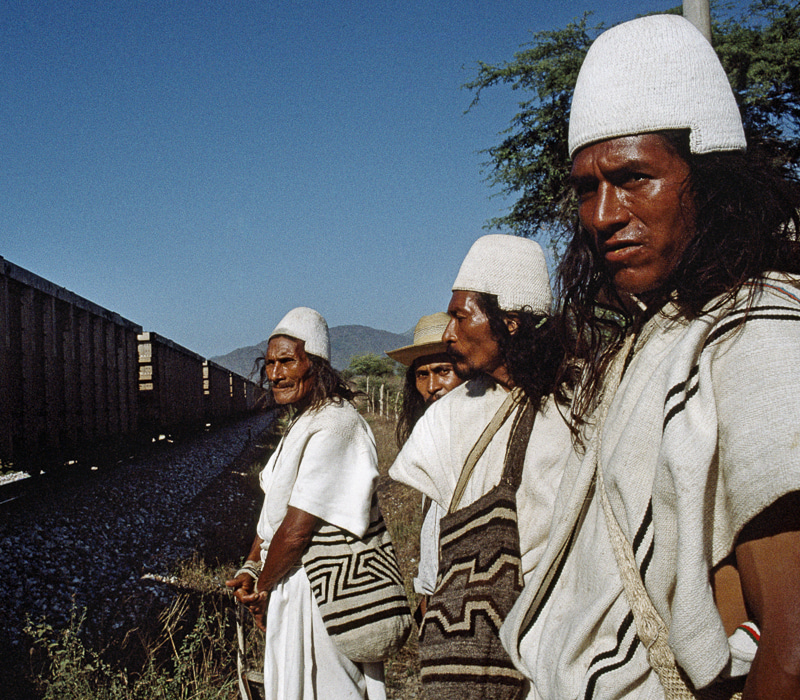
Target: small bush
(66,669)
(192,660)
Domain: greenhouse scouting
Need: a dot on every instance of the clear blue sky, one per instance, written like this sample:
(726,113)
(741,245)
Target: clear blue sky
(201,167)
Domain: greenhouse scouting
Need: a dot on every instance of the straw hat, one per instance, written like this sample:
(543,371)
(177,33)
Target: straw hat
(307,325)
(427,339)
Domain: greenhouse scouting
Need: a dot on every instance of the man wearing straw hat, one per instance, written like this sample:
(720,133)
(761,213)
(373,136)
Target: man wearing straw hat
(429,376)
(679,515)
(470,454)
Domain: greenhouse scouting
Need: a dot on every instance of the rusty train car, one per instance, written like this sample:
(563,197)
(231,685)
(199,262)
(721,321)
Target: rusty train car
(76,378)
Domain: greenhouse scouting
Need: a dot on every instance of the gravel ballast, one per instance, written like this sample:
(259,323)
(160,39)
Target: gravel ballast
(87,545)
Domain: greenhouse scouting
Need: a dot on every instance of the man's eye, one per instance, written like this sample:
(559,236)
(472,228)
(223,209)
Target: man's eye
(634,178)
(583,187)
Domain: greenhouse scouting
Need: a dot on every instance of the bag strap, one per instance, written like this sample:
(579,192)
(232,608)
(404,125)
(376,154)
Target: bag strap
(650,627)
(518,444)
(500,417)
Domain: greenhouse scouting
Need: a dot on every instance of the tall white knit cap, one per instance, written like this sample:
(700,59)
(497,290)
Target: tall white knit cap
(307,325)
(510,267)
(653,74)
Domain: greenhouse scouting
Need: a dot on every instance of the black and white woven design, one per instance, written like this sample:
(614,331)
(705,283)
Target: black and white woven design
(359,589)
(480,577)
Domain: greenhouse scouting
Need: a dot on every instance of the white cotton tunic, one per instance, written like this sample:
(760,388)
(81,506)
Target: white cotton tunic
(432,458)
(425,580)
(702,435)
(326,465)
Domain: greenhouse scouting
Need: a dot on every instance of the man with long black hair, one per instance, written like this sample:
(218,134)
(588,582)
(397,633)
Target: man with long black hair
(429,371)
(678,519)
(429,376)
(471,444)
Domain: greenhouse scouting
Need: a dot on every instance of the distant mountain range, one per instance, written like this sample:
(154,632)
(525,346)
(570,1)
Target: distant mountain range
(346,341)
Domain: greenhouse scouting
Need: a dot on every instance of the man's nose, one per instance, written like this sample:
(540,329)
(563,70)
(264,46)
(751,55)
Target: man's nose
(609,213)
(449,335)
(433,384)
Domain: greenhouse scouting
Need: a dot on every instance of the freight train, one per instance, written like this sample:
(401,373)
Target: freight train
(77,380)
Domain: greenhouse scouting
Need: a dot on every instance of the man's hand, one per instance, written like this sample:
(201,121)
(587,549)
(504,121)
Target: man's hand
(242,585)
(257,604)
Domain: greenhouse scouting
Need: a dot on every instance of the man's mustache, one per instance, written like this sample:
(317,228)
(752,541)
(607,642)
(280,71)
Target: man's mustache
(461,365)
(455,354)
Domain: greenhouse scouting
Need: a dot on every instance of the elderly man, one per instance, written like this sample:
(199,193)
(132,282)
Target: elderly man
(501,341)
(324,471)
(679,518)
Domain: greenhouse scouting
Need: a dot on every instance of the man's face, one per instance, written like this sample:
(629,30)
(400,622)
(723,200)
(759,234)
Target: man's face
(470,343)
(288,369)
(434,376)
(634,201)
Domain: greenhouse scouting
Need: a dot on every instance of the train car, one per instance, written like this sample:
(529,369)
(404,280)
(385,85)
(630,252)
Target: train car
(67,371)
(170,386)
(238,394)
(227,394)
(78,380)
(253,393)
(217,390)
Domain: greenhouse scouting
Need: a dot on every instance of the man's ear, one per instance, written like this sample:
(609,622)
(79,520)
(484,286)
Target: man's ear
(512,322)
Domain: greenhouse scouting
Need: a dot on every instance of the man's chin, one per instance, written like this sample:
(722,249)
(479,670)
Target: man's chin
(464,371)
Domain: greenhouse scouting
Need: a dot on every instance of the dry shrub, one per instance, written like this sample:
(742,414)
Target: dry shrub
(402,510)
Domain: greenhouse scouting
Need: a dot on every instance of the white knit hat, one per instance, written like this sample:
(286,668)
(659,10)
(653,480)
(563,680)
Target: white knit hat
(307,325)
(653,74)
(511,268)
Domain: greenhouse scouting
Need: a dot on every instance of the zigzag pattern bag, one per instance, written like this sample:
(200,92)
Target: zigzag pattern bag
(359,589)
(480,577)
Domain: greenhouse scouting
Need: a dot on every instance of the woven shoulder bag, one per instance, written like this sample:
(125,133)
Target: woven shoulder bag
(359,589)
(479,578)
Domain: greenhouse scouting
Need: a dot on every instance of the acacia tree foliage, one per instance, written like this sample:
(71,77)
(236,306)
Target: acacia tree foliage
(370,365)
(760,51)
(763,65)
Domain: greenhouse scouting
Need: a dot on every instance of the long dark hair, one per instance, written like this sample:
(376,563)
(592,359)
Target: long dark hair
(412,408)
(746,223)
(534,354)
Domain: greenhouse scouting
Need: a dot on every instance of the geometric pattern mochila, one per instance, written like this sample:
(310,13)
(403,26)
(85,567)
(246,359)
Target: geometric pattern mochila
(479,578)
(359,589)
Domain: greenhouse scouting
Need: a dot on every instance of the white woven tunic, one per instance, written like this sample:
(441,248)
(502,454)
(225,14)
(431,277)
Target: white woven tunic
(432,458)
(325,465)
(702,435)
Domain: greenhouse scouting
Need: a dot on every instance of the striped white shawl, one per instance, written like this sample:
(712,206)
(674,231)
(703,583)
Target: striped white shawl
(703,434)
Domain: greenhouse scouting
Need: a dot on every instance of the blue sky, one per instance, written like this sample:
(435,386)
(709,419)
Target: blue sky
(201,167)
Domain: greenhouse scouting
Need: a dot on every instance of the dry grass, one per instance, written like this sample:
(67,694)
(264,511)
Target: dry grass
(402,509)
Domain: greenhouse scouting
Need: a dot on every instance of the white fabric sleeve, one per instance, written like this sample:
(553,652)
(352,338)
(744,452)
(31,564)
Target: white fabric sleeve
(336,477)
(425,581)
(756,375)
(425,463)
